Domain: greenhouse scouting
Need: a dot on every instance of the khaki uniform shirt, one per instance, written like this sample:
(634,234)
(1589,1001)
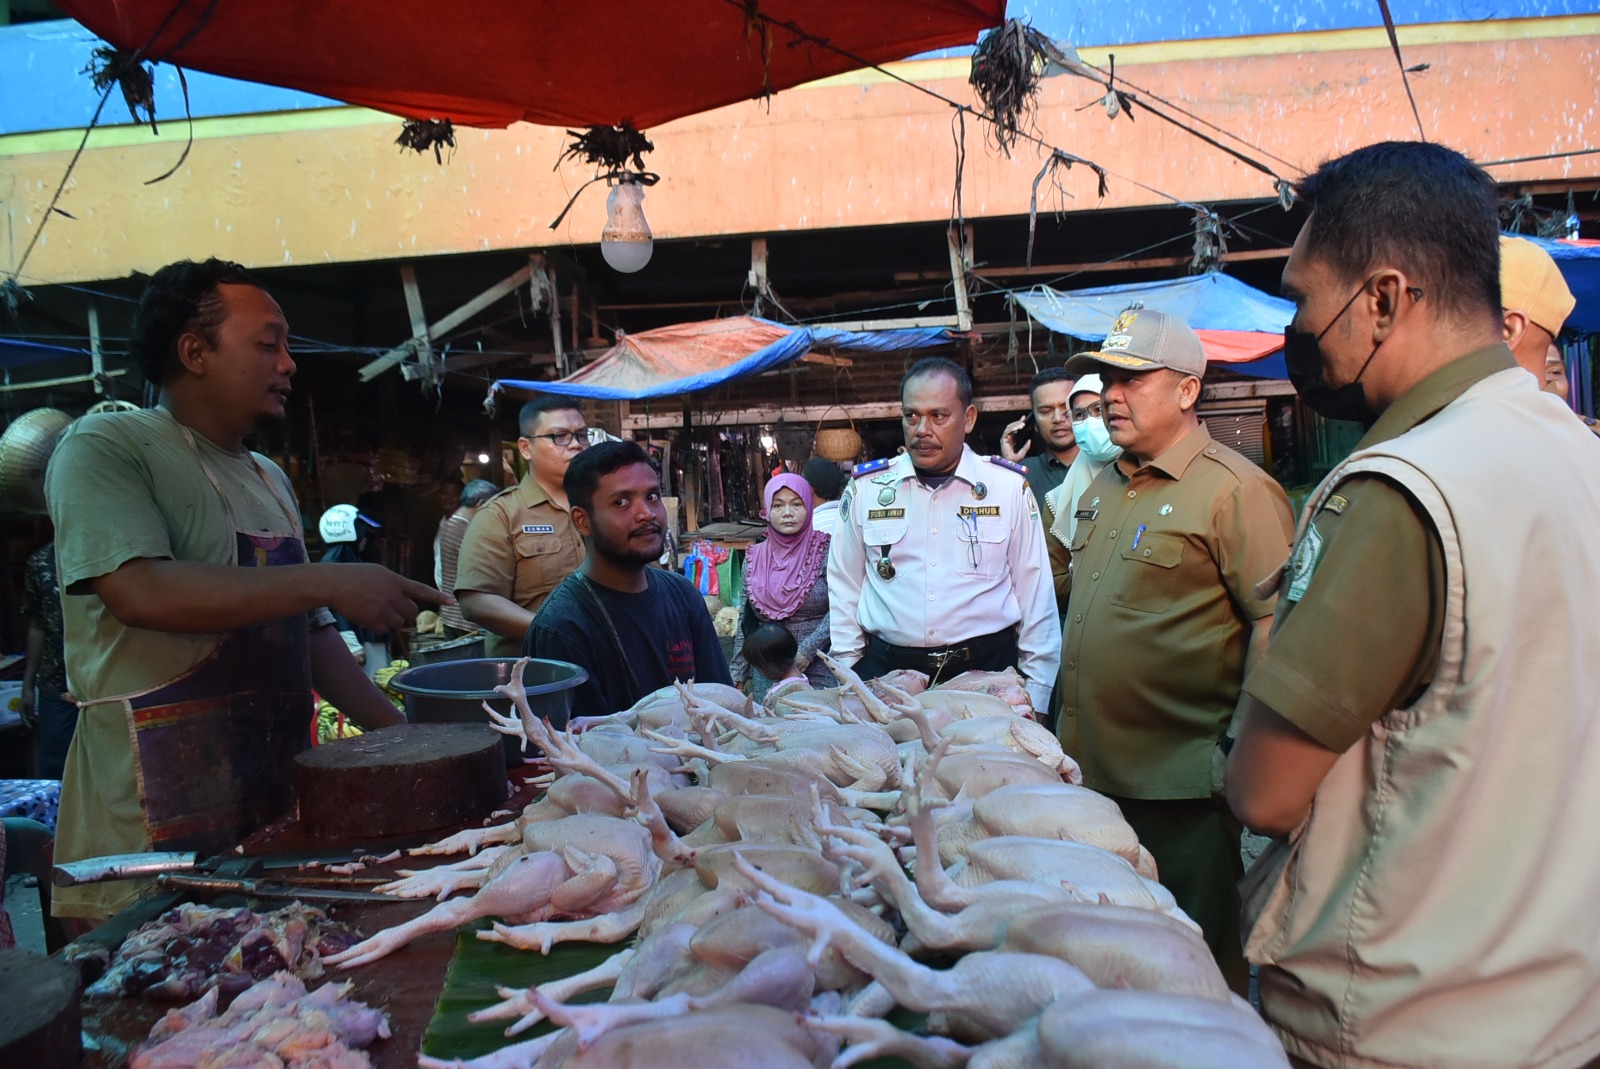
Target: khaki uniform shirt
(1335,666)
(1165,563)
(519,546)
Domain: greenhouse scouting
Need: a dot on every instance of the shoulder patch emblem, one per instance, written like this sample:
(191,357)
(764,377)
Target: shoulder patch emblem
(869,467)
(1004,463)
(1303,563)
(1336,504)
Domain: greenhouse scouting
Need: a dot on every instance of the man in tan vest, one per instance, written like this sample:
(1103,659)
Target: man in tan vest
(1419,735)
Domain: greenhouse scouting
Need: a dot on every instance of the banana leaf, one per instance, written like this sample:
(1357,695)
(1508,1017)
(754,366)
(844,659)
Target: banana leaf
(478,967)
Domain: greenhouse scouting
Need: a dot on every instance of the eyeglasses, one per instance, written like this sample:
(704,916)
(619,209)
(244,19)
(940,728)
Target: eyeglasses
(1094,411)
(562,439)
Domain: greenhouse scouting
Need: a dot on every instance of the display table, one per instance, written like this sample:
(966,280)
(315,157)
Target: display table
(405,985)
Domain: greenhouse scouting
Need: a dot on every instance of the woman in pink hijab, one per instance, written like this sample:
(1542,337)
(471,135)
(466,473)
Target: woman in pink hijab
(786,582)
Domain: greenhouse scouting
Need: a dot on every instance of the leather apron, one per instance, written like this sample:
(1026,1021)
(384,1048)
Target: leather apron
(214,748)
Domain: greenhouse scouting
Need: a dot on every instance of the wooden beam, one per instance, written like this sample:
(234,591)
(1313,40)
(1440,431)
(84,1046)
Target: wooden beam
(637,420)
(958,276)
(758,270)
(1094,266)
(827,361)
(97,361)
(426,334)
(860,325)
(70,380)
(1220,391)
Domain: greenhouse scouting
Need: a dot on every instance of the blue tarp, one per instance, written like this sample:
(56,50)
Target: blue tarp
(1580,267)
(1206,302)
(19,352)
(634,354)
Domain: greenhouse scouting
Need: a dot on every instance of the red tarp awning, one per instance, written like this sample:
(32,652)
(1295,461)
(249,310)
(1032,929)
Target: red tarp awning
(1238,346)
(553,62)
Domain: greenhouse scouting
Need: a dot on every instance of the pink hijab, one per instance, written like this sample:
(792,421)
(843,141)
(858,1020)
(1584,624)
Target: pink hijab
(781,571)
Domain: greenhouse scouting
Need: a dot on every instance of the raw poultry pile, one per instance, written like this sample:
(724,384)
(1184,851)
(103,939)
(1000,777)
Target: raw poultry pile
(191,949)
(273,1025)
(781,872)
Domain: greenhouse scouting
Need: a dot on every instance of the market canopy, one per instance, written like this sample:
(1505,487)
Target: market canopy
(693,356)
(553,62)
(1579,262)
(19,352)
(1239,325)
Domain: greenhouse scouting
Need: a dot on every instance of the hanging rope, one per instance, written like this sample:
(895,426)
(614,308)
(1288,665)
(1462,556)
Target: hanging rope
(1394,43)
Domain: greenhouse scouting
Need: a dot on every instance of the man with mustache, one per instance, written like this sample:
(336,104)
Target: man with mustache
(939,564)
(634,628)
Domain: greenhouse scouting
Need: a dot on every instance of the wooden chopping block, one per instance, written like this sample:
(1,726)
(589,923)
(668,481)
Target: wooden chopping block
(40,1025)
(401,779)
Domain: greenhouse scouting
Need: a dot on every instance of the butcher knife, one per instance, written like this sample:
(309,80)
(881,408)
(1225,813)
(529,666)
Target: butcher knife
(149,865)
(178,881)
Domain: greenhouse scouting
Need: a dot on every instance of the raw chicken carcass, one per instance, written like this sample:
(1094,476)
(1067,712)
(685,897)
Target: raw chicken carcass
(1006,685)
(582,866)
(1043,811)
(982,996)
(1090,1030)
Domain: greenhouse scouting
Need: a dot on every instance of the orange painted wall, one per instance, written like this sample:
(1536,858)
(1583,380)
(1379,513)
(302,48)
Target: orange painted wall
(853,152)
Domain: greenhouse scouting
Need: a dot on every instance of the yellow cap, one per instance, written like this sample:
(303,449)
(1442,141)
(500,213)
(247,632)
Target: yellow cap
(1531,283)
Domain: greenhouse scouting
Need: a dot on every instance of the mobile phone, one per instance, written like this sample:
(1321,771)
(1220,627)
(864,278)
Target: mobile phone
(1024,432)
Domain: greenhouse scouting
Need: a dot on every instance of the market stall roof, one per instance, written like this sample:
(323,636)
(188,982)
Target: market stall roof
(19,352)
(693,356)
(1579,262)
(497,62)
(1238,324)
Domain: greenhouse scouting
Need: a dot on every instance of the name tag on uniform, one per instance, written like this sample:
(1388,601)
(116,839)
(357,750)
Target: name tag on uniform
(979,510)
(538,528)
(1086,514)
(886,514)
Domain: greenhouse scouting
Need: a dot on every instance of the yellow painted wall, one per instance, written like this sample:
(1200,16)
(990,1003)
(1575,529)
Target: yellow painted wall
(859,150)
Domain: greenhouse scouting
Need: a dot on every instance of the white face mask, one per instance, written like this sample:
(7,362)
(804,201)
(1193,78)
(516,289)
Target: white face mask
(1095,441)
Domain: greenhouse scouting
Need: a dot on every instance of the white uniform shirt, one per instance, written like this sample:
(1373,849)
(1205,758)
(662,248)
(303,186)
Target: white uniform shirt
(969,560)
(825,518)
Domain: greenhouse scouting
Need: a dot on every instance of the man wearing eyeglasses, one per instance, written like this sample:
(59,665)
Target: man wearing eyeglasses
(521,544)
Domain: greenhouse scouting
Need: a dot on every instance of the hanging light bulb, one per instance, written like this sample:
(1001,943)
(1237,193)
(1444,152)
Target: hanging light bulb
(626,242)
(483,458)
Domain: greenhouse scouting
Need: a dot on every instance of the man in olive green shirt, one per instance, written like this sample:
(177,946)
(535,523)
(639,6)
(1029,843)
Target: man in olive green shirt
(1419,737)
(1162,615)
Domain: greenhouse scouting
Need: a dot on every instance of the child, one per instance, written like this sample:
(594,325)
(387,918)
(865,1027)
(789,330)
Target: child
(771,650)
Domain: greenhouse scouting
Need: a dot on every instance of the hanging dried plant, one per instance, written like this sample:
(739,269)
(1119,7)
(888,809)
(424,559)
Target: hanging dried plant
(420,135)
(1006,68)
(123,68)
(608,147)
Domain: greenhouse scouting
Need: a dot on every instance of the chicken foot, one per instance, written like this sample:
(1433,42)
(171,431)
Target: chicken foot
(521,888)
(870,1037)
(991,993)
(444,880)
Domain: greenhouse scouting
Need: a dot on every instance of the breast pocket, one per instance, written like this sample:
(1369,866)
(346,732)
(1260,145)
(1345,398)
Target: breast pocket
(1148,574)
(983,549)
(541,564)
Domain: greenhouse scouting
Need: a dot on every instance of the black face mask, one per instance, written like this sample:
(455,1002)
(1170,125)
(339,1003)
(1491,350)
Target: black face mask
(1302,355)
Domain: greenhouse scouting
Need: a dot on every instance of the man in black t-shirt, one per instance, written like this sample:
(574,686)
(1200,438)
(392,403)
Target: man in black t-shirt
(633,627)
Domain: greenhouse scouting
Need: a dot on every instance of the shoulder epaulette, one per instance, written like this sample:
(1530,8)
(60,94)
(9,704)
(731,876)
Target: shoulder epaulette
(1004,463)
(871,467)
